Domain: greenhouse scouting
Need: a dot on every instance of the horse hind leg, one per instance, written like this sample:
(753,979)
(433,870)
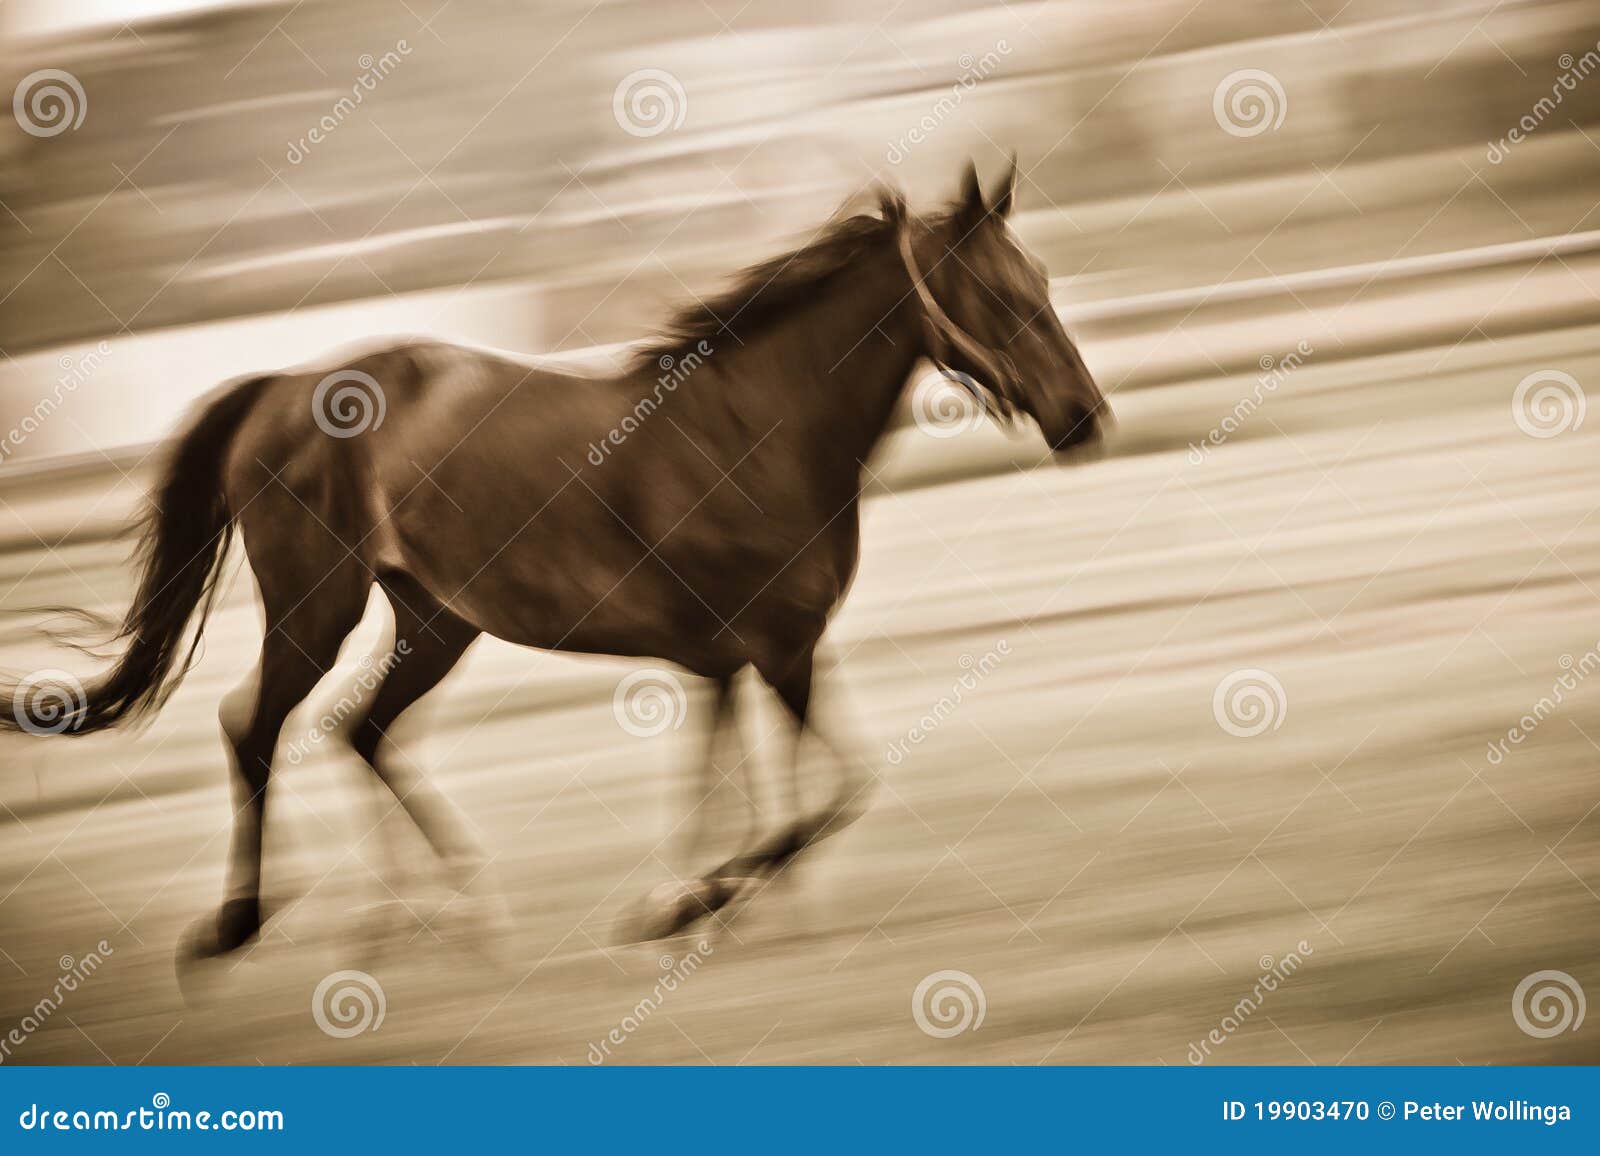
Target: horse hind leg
(428,642)
(300,645)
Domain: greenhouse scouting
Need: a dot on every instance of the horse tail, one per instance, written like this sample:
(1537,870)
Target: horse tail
(183,542)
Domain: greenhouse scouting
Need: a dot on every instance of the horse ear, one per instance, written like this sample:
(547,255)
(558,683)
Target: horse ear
(1005,195)
(891,204)
(970,205)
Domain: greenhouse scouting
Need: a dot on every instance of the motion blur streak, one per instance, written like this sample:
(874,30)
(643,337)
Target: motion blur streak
(1295,672)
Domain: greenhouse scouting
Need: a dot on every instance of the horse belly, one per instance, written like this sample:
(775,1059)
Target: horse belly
(558,578)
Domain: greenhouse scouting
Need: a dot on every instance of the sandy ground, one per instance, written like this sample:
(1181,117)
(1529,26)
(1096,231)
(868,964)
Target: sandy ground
(1108,866)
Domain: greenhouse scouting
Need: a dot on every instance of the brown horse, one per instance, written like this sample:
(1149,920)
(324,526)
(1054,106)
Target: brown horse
(606,515)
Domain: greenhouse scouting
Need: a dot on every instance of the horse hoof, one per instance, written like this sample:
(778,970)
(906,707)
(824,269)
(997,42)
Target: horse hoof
(379,925)
(207,940)
(479,923)
(676,905)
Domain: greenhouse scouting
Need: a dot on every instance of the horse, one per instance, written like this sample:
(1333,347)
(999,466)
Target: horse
(581,512)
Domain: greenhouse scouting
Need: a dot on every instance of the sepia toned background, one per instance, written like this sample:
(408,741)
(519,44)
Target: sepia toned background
(1270,736)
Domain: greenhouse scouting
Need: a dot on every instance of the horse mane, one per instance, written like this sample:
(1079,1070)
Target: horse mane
(765,291)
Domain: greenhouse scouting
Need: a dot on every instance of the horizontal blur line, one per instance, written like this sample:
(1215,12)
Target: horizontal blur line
(254,104)
(1255,288)
(341,249)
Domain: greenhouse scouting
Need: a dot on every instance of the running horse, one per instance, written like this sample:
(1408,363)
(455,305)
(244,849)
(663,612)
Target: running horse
(584,513)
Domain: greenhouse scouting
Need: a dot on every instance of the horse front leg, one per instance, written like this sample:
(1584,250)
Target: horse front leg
(794,683)
(718,761)
(675,904)
(752,870)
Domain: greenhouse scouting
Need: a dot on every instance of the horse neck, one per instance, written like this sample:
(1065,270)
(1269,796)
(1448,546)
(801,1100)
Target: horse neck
(848,355)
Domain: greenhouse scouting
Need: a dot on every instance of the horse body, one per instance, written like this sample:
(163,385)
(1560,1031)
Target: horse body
(480,486)
(699,507)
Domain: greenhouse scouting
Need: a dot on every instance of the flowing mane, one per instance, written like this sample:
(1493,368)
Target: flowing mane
(770,289)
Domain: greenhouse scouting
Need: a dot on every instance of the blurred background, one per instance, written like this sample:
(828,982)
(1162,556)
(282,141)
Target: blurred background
(1297,669)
